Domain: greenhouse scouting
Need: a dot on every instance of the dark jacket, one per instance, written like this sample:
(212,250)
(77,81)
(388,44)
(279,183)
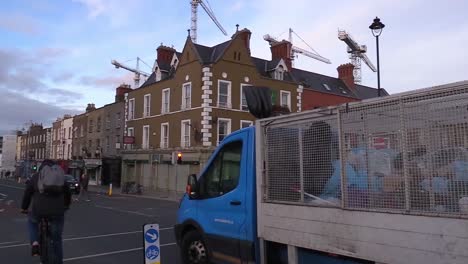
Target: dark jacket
(45,204)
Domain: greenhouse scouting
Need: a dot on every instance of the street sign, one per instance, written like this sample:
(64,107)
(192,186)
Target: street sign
(129,140)
(152,250)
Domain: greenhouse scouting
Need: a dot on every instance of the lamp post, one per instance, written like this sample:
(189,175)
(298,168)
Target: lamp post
(376,28)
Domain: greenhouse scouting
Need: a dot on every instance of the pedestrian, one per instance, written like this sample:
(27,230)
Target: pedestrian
(84,180)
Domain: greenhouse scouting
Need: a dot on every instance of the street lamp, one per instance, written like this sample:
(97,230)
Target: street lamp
(376,28)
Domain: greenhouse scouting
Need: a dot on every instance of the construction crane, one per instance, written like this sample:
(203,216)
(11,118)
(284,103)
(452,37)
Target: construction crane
(193,29)
(136,70)
(356,54)
(296,50)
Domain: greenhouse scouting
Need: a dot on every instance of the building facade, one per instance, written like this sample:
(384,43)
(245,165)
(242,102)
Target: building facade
(48,147)
(37,139)
(112,137)
(7,154)
(62,138)
(56,135)
(93,149)
(18,145)
(67,137)
(80,135)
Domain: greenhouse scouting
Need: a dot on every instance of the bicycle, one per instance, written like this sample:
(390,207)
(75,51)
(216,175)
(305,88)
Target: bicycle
(132,188)
(46,247)
(45,242)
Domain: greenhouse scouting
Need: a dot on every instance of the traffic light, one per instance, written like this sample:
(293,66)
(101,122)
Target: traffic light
(34,167)
(179,158)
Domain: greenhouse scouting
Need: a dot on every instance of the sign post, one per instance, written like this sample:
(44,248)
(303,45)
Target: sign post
(152,249)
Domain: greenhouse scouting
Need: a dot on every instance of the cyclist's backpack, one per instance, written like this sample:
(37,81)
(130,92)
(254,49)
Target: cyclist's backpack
(51,179)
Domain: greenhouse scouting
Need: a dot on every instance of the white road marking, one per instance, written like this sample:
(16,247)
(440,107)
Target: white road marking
(9,242)
(85,237)
(1,210)
(113,252)
(14,187)
(123,211)
(114,234)
(2,194)
(15,245)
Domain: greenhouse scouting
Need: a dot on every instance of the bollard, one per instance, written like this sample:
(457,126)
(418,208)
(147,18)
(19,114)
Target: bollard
(110,189)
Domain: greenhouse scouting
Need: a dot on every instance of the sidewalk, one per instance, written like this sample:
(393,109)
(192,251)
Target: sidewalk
(149,194)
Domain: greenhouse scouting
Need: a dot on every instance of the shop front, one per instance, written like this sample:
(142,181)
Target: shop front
(93,168)
(76,168)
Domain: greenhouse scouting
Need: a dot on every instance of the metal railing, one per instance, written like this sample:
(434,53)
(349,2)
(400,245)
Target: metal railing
(404,154)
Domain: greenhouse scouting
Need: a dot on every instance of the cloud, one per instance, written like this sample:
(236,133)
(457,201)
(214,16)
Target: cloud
(108,81)
(22,109)
(62,95)
(21,71)
(118,12)
(237,6)
(95,7)
(19,23)
(62,77)
(31,73)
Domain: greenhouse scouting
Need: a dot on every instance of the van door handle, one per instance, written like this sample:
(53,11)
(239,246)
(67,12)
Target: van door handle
(235,202)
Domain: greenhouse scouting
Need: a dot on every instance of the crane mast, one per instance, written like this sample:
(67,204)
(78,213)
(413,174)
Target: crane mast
(194,18)
(136,70)
(357,54)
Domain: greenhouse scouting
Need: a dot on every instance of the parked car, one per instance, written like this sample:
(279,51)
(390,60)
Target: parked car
(72,183)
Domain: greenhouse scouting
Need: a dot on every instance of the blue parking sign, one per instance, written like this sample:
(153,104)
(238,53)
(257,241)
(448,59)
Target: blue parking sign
(152,252)
(151,238)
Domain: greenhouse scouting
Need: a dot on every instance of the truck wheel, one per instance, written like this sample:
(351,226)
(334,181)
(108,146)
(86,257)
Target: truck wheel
(194,249)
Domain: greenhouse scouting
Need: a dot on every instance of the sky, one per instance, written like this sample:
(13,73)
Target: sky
(55,55)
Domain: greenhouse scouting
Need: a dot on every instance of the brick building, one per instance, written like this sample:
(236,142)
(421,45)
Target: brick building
(195,98)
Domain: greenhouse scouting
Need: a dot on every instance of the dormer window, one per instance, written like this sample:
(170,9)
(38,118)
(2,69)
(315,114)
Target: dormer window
(279,73)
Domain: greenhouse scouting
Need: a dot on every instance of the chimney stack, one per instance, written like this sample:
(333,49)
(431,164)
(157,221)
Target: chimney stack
(164,54)
(121,91)
(90,108)
(345,73)
(282,50)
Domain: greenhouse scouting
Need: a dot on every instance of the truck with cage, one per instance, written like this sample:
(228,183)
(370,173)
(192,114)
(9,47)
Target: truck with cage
(383,180)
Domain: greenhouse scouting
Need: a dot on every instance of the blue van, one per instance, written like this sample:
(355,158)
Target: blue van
(217,215)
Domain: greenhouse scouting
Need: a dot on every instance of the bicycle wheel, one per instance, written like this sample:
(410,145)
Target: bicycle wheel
(44,242)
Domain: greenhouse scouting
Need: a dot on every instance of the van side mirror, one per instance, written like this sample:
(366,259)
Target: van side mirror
(192,186)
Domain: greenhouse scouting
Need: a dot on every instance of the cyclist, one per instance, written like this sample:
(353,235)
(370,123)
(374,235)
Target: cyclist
(51,197)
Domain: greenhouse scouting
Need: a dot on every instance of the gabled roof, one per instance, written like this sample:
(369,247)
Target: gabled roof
(151,79)
(322,83)
(211,54)
(366,92)
(310,80)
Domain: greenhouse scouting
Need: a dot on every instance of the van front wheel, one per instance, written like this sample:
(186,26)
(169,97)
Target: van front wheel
(194,249)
